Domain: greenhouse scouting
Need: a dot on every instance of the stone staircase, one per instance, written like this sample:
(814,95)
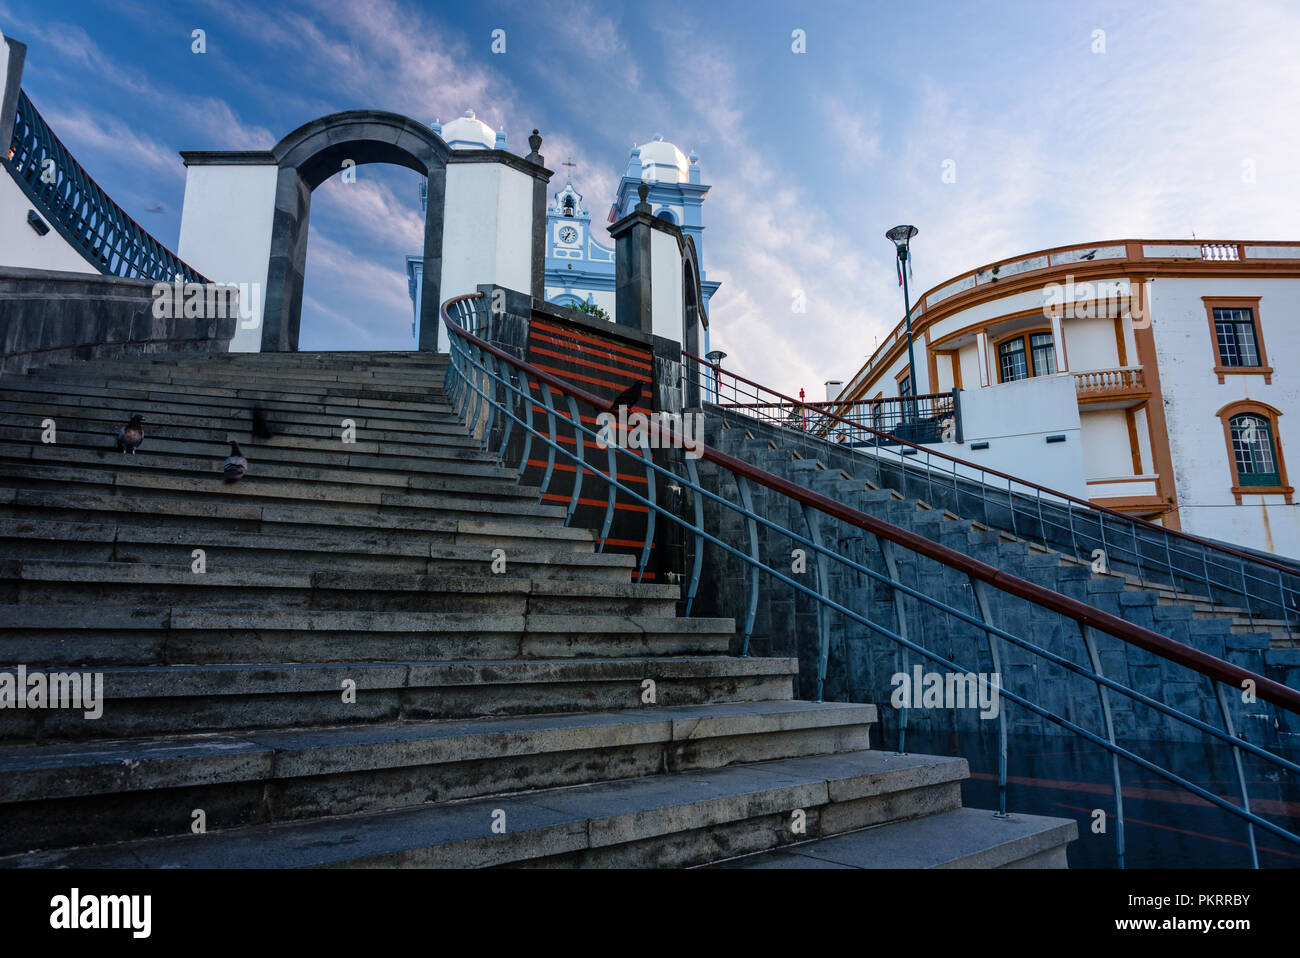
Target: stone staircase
(340,678)
(1226,632)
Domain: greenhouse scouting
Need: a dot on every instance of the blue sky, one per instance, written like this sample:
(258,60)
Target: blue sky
(811,156)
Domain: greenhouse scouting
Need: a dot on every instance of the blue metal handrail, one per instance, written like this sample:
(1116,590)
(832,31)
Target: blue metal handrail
(1230,579)
(80,210)
(486,386)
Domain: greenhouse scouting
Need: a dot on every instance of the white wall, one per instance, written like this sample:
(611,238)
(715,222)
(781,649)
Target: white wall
(666,302)
(1193,396)
(1090,344)
(19,243)
(487,229)
(226,235)
(1015,419)
(1107,451)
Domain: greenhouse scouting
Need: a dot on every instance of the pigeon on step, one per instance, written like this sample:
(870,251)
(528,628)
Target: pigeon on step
(131,435)
(261,428)
(233,469)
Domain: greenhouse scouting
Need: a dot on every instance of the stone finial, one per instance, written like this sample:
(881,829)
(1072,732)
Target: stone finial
(535,142)
(643,191)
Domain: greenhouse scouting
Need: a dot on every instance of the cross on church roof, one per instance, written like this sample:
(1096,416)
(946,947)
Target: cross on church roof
(569,163)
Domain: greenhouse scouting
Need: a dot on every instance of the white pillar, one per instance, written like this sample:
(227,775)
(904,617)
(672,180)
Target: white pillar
(1058,340)
(982,348)
(226,223)
(487,231)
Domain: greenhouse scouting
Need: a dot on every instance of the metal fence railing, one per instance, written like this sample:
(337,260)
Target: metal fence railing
(1263,592)
(495,393)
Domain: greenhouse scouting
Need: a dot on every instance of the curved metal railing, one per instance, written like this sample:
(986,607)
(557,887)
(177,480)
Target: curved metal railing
(1263,592)
(494,392)
(80,210)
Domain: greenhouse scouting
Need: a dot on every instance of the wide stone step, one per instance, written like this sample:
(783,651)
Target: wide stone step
(210,698)
(62,795)
(340,550)
(216,518)
(204,446)
(65,636)
(422,498)
(961,838)
(272,393)
(326,420)
(666,820)
(104,417)
(52,582)
(479,478)
(416,384)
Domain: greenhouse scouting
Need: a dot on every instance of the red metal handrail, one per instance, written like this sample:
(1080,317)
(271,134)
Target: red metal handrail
(1153,642)
(1091,506)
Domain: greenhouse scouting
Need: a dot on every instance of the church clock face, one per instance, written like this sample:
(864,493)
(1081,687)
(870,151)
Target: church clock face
(568,235)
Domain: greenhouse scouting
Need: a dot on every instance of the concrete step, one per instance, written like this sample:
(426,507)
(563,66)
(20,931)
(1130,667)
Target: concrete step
(207,445)
(277,391)
(412,381)
(64,636)
(156,700)
(441,474)
(219,424)
(960,838)
(340,550)
(420,499)
(54,582)
(58,796)
(370,425)
(666,820)
(217,519)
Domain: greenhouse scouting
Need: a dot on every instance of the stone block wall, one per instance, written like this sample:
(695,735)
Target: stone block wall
(49,317)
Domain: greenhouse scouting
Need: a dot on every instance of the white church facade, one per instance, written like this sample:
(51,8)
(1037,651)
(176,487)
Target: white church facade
(1148,376)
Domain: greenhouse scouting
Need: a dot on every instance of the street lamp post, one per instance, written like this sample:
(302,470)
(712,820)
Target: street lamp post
(901,237)
(715,356)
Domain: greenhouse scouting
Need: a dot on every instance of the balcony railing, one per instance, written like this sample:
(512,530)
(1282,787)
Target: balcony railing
(1104,383)
(80,210)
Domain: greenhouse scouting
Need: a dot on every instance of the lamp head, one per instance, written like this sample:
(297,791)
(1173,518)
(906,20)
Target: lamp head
(901,236)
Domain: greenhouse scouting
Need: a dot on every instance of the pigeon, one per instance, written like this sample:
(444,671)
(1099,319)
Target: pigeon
(628,397)
(131,435)
(233,469)
(261,428)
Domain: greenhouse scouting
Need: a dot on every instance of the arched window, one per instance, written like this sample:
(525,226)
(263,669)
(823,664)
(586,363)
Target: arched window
(568,206)
(668,215)
(1254,452)
(1025,355)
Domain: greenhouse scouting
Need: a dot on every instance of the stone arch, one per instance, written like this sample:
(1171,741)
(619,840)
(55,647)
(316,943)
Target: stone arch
(694,312)
(308,157)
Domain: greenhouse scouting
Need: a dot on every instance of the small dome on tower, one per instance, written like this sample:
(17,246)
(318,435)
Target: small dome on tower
(662,162)
(467,132)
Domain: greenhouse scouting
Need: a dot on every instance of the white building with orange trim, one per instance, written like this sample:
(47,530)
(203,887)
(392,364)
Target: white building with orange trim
(1149,376)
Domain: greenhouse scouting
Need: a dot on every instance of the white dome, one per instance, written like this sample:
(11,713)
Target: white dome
(662,162)
(467,132)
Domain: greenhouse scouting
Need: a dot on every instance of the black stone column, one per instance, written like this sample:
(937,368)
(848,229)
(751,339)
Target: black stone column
(632,301)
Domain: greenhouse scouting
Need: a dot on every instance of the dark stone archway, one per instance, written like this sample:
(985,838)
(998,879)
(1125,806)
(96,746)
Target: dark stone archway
(309,156)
